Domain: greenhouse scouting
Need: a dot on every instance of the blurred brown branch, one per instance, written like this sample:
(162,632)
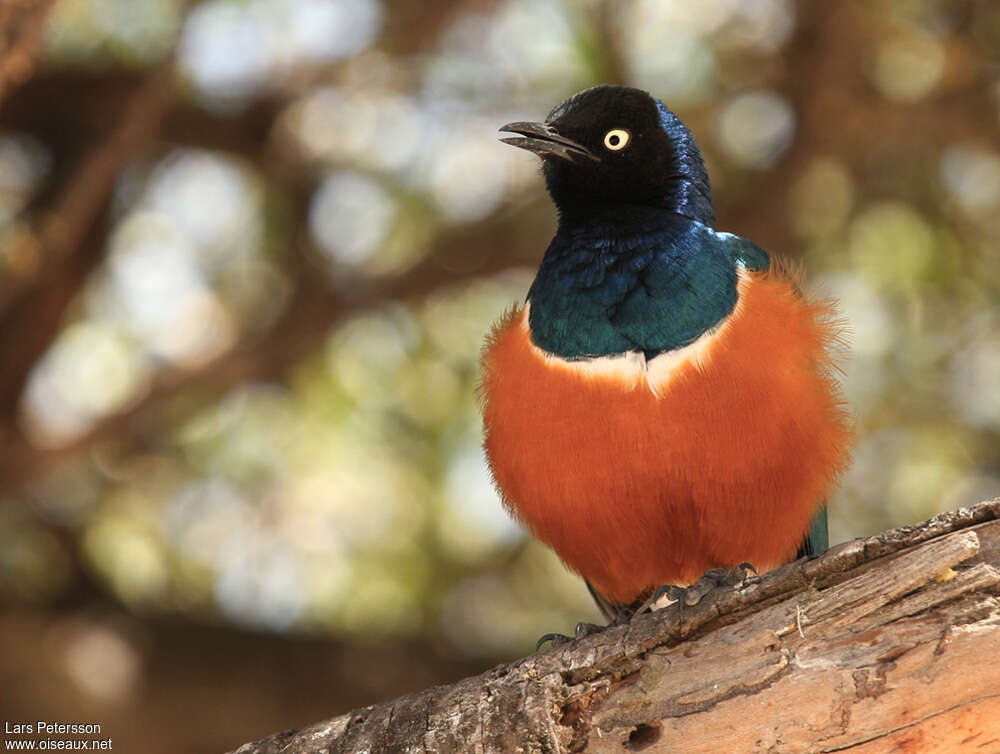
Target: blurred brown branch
(840,114)
(69,109)
(229,666)
(21,24)
(829,654)
(71,238)
(466,255)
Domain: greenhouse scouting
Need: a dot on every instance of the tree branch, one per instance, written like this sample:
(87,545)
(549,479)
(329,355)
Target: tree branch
(21,23)
(70,240)
(878,644)
(462,256)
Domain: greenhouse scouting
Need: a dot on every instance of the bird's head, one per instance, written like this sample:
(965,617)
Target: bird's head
(613,146)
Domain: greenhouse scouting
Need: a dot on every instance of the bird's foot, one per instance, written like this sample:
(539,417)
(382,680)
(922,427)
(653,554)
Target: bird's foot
(582,629)
(715,578)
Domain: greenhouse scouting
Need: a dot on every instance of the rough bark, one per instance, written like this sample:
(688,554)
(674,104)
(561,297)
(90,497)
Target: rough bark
(882,644)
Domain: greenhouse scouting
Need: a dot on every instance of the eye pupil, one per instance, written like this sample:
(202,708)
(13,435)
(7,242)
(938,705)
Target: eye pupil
(616,139)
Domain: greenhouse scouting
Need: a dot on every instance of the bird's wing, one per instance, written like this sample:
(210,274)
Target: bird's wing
(752,257)
(612,611)
(745,252)
(686,290)
(818,538)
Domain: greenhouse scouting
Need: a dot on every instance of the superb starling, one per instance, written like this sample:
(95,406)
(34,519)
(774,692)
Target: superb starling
(665,402)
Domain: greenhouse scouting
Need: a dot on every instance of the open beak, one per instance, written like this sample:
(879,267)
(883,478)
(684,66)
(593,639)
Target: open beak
(543,141)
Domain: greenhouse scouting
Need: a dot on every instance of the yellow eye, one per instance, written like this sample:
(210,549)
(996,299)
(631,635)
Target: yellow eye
(616,139)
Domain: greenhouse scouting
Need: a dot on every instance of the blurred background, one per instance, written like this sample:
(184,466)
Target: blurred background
(249,250)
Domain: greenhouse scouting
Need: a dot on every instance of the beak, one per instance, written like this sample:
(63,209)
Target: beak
(542,140)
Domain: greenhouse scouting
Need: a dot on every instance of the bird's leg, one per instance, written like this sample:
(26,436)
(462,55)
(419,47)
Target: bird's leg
(616,613)
(714,578)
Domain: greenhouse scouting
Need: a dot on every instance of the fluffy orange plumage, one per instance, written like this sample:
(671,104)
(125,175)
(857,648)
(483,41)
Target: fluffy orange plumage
(637,485)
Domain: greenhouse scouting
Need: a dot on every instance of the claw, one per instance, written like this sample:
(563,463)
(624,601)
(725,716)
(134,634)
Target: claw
(714,578)
(744,579)
(582,629)
(556,639)
(747,569)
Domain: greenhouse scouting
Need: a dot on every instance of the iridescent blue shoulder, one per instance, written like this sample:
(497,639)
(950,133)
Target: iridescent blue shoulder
(654,290)
(745,252)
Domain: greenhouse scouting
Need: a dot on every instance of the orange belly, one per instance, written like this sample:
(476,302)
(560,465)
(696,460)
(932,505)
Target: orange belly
(637,484)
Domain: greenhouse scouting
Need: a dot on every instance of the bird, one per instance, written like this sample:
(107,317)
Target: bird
(665,405)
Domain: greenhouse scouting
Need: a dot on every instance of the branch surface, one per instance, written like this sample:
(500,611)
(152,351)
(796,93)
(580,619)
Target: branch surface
(881,644)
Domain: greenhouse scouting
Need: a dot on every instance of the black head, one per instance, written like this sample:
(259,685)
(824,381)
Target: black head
(613,145)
